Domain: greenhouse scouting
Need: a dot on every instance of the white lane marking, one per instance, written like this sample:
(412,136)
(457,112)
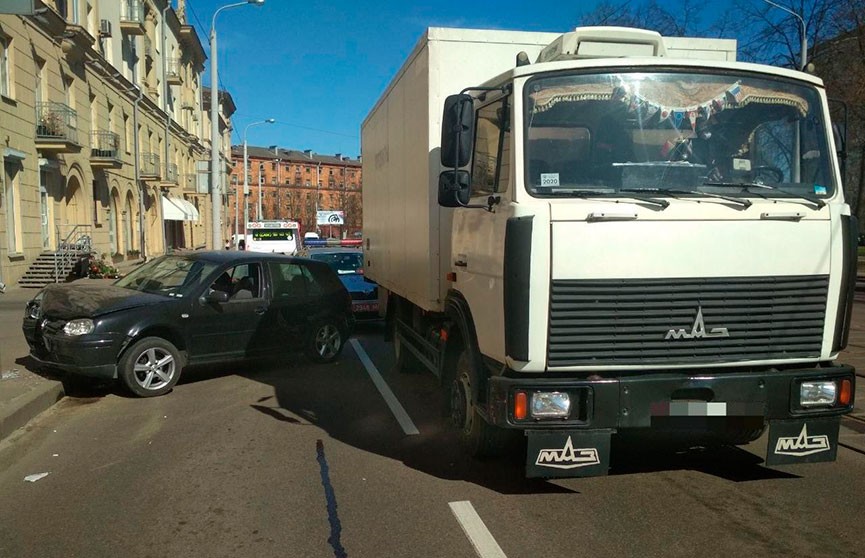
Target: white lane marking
(395,407)
(480,537)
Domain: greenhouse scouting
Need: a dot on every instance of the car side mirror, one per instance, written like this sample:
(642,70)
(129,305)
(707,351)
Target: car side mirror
(454,188)
(216,296)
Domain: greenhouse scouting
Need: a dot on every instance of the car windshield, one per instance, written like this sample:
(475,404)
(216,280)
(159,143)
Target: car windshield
(675,134)
(168,275)
(341,262)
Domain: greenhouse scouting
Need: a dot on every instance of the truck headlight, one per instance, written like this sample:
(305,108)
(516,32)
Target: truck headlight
(550,404)
(81,326)
(817,394)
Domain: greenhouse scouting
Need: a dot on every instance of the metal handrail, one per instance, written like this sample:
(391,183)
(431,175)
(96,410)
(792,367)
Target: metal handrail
(170,172)
(150,164)
(78,243)
(172,66)
(132,10)
(104,144)
(56,121)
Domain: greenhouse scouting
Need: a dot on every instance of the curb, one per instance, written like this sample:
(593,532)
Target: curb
(27,406)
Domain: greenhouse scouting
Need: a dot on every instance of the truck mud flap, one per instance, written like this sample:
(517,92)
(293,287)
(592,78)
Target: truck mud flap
(802,441)
(568,453)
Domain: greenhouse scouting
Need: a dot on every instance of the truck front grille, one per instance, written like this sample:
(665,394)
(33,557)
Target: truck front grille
(655,321)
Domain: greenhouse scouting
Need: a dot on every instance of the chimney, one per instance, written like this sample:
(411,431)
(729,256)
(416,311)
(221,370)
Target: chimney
(338,155)
(308,153)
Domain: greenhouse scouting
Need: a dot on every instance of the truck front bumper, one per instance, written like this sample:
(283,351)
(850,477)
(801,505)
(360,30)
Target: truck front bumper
(650,400)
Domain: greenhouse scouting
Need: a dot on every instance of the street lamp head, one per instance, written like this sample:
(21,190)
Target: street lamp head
(270,120)
(255,2)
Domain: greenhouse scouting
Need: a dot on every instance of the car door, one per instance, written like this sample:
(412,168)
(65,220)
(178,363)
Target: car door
(232,329)
(292,305)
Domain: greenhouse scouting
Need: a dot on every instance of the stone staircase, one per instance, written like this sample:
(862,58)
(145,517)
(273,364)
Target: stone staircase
(51,267)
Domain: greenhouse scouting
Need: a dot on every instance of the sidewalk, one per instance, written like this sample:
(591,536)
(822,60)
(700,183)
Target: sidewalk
(25,393)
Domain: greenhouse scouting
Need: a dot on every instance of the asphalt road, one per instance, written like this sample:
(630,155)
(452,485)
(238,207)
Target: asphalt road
(298,460)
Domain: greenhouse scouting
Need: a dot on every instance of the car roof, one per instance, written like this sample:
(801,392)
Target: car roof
(237,256)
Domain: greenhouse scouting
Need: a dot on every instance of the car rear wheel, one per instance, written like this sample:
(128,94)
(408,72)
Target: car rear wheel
(326,343)
(150,367)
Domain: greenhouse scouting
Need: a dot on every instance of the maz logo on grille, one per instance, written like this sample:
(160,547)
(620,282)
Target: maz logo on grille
(698,331)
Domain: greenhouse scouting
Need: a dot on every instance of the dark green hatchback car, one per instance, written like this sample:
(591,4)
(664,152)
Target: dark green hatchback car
(189,309)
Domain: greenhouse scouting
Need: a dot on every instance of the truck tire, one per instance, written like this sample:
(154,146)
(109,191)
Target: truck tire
(742,437)
(478,437)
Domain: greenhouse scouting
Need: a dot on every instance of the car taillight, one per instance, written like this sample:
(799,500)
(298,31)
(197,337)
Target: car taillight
(360,272)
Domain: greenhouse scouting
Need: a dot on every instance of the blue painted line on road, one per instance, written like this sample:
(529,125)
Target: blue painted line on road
(396,408)
(330,498)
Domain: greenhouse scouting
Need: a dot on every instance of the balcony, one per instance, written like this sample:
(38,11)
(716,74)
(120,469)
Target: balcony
(132,17)
(170,178)
(150,168)
(56,128)
(172,71)
(105,150)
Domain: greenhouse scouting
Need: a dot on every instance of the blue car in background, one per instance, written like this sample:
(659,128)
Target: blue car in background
(348,265)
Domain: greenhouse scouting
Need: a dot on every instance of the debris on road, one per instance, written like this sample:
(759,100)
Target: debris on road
(35,477)
(10,374)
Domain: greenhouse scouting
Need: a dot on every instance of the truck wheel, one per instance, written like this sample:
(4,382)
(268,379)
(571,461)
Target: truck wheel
(479,437)
(742,437)
(150,367)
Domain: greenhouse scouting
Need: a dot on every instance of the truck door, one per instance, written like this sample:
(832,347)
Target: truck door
(478,235)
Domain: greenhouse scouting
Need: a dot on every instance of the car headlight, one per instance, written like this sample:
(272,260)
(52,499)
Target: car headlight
(81,326)
(33,310)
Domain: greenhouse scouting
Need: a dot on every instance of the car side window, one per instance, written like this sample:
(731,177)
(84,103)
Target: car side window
(241,282)
(291,280)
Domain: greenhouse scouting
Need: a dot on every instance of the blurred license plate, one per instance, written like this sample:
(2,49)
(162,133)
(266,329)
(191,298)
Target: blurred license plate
(365,307)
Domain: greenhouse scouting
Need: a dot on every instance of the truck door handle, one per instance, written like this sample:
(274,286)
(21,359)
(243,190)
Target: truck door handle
(461,263)
(261,310)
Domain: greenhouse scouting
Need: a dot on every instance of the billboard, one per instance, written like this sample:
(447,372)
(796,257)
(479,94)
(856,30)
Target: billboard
(330,218)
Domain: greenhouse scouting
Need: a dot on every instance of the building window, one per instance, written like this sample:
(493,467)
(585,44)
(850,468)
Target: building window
(4,67)
(127,126)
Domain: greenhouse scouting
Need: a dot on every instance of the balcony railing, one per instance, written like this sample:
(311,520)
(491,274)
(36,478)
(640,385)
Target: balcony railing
(150,167)
(172,71)
(104,148)
(170,173)
(56,122)
(132,16)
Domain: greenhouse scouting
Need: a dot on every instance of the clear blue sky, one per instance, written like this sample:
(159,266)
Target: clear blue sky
(317,67)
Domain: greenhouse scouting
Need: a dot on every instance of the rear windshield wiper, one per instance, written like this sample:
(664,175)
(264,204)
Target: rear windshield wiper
(745,185)
(673,192)
(584,194)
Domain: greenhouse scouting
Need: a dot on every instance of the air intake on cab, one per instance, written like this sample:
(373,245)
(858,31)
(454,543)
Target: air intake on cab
(604,42)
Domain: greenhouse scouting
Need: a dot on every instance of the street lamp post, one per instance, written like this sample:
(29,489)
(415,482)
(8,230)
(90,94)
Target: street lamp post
(246,176)
(803,62)
(215,188)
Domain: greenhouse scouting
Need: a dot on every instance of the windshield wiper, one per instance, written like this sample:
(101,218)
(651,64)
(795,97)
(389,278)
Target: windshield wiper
(673,193)
(584,194)
(745,185)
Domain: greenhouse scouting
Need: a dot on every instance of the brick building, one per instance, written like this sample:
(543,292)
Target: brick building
(294,185)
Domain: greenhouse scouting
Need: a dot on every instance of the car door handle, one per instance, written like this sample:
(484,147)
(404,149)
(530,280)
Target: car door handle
(261,310)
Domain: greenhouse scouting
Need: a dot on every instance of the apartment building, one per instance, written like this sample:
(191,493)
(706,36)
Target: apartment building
(103,129)
(295,185)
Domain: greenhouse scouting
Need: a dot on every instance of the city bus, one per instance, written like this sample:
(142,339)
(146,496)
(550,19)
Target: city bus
(280,237)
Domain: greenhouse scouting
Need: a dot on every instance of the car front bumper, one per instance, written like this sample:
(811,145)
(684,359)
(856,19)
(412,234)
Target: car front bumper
(93,355)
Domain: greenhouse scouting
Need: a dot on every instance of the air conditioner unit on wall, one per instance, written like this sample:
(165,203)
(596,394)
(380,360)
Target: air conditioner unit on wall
(104,28)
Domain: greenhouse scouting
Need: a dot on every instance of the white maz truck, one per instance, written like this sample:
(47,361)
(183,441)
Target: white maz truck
(610,232)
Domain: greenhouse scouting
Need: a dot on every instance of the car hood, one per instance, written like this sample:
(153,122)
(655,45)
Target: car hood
(355,283)
(86,299)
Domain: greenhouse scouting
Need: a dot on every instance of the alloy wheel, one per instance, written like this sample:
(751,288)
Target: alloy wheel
(154,368)
(327,342)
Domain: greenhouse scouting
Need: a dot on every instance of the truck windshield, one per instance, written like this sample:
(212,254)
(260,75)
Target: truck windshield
(688,133)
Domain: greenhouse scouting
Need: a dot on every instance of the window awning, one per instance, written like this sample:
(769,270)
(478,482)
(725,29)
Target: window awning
(178,209)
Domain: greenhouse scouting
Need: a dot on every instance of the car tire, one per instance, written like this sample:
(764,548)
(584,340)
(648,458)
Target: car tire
(326,342)
(150,367)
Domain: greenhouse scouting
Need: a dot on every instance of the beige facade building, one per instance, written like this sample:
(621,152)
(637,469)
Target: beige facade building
(105,137)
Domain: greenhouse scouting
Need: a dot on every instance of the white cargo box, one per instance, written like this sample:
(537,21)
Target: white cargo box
(406,233)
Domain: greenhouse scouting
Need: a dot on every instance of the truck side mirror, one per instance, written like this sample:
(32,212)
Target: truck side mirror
(454,188)
(458,130)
